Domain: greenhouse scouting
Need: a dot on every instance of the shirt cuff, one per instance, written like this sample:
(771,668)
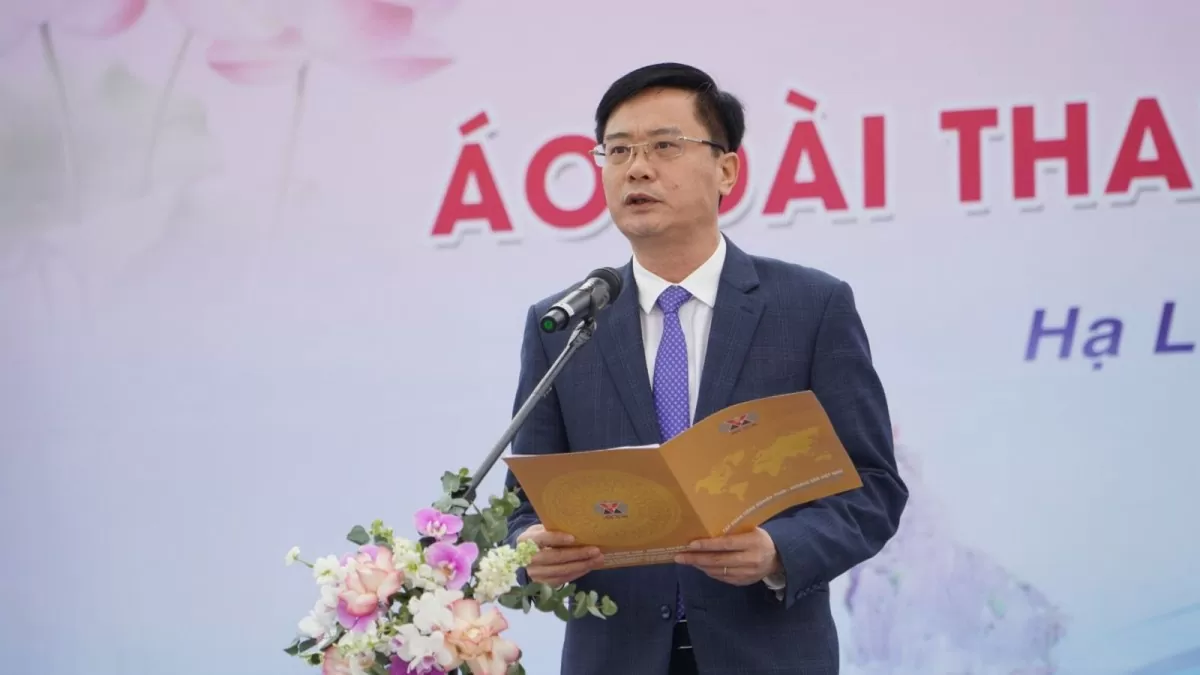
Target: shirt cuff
(776,582)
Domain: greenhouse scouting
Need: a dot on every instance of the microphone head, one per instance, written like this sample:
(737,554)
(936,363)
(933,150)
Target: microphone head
(610,277)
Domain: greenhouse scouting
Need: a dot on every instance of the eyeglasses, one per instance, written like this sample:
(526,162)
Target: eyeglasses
(620,153)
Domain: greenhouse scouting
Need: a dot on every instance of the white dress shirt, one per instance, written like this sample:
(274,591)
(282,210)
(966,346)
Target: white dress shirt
(695,318)
(695,315)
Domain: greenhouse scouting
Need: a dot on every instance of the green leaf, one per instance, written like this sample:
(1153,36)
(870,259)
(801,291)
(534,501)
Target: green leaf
(545,593)
(511,600)
(490,518)
(516,669)
(514,500)
(608,607)
(358,535)
(314,659)
(497,533)
(547,604)
(299,645)
(562,612)
(526,604)
(451,482)
(581,605)
(443,503)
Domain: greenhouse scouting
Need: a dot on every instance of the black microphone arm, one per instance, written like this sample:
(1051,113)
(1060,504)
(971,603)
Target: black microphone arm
(600,292)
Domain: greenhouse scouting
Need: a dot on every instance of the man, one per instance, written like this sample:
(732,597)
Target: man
(701,325)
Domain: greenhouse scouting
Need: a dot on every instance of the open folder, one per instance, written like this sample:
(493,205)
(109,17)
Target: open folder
(726,474)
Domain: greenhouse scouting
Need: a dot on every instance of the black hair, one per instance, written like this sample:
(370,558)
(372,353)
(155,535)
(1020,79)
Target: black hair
(720,112)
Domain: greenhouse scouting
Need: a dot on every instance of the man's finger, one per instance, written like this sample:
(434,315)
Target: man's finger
(556,556)
(736,542)
(544,538)
(556,574)
(715,559)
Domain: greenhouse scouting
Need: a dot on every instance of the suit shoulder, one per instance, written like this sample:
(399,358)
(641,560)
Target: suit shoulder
(775,272)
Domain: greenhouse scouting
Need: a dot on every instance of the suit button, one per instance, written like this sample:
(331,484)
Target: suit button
(665,612)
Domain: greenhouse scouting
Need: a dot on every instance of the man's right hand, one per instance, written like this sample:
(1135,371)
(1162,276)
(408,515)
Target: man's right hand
(558,561)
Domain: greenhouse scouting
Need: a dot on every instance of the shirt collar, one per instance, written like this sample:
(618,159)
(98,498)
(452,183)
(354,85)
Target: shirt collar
(701,283)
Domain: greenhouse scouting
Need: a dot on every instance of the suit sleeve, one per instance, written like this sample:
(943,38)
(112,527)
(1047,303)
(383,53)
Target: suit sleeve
(818,543)
(543,431)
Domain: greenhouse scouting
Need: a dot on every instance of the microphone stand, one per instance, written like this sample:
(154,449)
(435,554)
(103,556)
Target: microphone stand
(579,337)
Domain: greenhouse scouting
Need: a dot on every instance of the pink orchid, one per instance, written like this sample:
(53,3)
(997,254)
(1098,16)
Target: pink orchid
(451,563)
(476,638)
(433,523)
(371,578)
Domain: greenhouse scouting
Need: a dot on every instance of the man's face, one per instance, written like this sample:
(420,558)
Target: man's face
(666,185)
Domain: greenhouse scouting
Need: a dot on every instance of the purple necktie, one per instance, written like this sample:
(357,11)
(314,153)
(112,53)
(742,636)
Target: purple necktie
(671,379)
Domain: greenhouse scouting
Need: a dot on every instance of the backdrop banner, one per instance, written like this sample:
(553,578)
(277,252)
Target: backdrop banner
(264,270)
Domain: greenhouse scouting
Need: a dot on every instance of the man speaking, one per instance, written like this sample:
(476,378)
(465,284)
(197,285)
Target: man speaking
(699,326)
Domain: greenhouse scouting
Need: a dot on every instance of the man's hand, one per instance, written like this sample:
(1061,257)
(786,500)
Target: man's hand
(738,559)
(558,561)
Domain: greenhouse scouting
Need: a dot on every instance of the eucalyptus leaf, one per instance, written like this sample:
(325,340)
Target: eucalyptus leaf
(581,610)
(301,646)
(358,535)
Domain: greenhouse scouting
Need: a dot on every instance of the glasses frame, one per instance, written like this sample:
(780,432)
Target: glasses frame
(601,157)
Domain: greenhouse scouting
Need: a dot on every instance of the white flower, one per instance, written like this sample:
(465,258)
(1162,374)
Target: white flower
(322,619)
(497,573)
(328,570)
(328,598)
(355,642)
(425,577)
(406,555)
(422,652)
(292,554)
(431,610)
(318,624)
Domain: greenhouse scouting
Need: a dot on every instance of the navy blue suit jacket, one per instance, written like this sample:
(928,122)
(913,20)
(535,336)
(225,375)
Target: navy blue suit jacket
(777,328)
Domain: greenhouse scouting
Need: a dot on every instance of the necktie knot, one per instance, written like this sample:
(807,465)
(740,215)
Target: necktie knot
(673,298)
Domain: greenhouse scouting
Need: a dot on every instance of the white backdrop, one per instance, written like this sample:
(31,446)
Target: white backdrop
(223,303)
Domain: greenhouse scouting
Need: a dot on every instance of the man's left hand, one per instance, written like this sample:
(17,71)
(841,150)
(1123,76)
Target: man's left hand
(738,559)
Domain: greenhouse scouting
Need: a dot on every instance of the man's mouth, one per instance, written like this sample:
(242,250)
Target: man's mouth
(639,200)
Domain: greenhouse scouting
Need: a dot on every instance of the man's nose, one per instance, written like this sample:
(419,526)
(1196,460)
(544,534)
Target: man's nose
(640,167)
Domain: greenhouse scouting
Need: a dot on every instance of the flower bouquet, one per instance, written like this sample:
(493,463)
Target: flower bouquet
(397,606)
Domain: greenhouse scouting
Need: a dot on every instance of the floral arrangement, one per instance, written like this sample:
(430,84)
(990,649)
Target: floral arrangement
(428,606)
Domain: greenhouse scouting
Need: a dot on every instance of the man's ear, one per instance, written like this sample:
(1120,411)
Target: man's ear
(730,166)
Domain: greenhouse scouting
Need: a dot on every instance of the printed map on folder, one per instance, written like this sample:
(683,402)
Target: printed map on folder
(726,474)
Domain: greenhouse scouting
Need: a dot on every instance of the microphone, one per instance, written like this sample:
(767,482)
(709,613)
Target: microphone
(598,291)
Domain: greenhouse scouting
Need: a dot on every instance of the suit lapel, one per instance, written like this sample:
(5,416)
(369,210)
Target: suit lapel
(619,336)
(735,318)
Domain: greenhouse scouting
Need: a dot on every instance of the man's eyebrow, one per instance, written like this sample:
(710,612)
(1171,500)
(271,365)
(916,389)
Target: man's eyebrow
(621,135)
